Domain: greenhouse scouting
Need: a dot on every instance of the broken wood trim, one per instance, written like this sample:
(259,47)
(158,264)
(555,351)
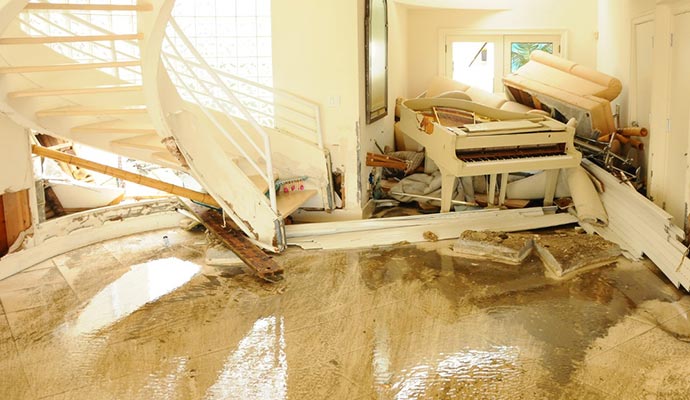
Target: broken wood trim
(125,175)
(17,210)
(389,231)
(640,227)
(235,240)
(60,235)
(386,161)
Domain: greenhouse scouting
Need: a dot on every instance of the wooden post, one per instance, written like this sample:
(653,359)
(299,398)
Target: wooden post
(125,175)
(17,213)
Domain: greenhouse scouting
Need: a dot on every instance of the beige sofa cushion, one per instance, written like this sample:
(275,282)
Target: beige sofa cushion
(575,90)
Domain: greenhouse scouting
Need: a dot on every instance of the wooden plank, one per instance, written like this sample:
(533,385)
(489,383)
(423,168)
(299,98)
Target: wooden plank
(128,176)
(17,214)
(289,203)
(73,91)
(88,7)
(66,67)
(4,246)
(88,111)
(68,39)
(451,229)
(113,127)
(235,240)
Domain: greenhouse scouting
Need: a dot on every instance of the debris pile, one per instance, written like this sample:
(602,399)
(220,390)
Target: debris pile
(562,252)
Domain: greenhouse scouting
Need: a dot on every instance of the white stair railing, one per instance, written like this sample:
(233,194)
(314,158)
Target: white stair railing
(211,89)
(205,91)
(271,107)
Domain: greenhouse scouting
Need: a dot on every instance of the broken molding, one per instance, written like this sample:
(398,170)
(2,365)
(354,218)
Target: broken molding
(65,234)
(496,246)
(639,227)
(388,231)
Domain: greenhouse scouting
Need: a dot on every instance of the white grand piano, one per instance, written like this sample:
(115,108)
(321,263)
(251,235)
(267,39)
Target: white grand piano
(464,139)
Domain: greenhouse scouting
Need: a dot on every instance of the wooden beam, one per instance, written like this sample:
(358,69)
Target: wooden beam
(88,7)
(68,39)
(88,111)
(4,246)
(235,240)
(66,92)
(106,127)
(17,214)
(67,67)
(125,175)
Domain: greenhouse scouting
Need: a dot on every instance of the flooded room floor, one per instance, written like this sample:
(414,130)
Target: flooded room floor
(143,318)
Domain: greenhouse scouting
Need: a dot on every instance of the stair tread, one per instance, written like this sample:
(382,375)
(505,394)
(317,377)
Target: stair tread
(289,203)
(68,39)
(85,110)
(146,142)
(88,7)
(259,182)
(72,91)
(165,158)
(67,67)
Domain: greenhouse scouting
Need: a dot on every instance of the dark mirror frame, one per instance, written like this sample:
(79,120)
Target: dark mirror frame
(376,94)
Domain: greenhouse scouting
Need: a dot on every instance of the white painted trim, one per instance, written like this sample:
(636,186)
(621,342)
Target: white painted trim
(388,231)
(65,234)
(444,35)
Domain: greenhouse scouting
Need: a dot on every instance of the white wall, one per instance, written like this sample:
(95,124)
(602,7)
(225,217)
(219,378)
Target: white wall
(578,18)
(316,55)
(381,131)
(614,55)
(15,157)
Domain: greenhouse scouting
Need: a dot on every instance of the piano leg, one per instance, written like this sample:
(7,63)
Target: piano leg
(503,188)
(447,190)
(491,195)
(550,191)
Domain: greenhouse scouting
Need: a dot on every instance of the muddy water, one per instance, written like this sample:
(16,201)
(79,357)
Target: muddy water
(396,323)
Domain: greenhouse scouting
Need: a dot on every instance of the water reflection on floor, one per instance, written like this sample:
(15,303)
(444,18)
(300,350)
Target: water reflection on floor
(136,319)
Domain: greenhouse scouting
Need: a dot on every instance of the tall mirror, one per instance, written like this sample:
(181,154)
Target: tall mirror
(376,50)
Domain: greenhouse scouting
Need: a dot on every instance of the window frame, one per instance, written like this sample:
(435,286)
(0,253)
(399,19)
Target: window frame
(502,40)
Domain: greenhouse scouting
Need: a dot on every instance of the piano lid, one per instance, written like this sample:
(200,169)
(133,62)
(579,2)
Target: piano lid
(507,127)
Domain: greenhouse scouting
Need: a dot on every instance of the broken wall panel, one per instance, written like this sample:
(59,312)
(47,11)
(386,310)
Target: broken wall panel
(15,157)
(60,235)
(4,246)
(640,227)
(17,214)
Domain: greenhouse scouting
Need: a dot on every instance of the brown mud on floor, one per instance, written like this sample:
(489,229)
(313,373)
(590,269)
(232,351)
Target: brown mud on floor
(143,318)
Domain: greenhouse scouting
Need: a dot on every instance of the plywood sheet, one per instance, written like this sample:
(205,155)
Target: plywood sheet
(17,214)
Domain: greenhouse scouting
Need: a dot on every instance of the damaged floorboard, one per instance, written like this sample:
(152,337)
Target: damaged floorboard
(233,238)
(390,231)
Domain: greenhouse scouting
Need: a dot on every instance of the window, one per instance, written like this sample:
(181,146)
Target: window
(483,60)
(232,35)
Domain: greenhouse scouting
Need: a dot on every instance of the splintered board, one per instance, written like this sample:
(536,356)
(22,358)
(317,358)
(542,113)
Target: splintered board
(17,214)
(235,240)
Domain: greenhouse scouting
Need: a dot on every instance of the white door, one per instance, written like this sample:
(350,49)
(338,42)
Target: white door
(641,94)
(679,114)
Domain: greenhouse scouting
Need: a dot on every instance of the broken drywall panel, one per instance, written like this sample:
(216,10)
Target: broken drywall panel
(327,228)
(566,252)
(415,231)
(82,229)
(15,157)
(642,227)
(587,202)
(496,246)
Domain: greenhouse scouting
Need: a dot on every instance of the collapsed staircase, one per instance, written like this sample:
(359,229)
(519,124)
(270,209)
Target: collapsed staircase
(63,74)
